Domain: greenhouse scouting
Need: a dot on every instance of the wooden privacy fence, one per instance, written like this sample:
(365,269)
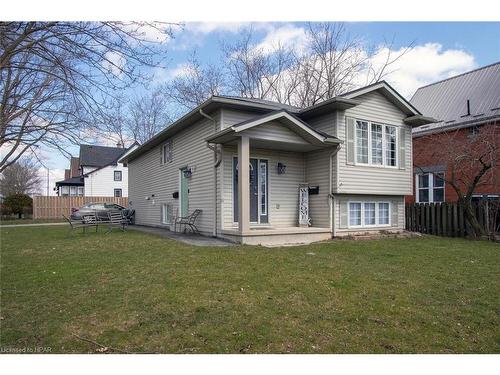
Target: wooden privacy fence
(448,219)
(55,207)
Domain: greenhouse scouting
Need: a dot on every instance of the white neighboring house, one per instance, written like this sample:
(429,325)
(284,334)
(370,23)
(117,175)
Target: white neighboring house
(98,173)
(109,180)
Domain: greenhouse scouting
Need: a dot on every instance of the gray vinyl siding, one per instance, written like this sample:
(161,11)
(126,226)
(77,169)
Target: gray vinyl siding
(147,177)
(283,189)
(317,164)
(275,131)
(231,117)
(359,179)
(325,123)
(396,202)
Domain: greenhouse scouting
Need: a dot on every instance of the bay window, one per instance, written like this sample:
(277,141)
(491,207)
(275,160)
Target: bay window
(430,187)
(368,214)
(376,144)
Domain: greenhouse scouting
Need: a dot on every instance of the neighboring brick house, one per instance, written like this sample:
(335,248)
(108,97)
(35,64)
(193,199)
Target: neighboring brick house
(464,106)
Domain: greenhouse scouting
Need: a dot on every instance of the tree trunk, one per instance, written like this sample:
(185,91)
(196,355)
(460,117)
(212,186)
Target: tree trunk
(477,230)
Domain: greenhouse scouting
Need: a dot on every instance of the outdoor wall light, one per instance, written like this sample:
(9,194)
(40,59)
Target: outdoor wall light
(188,173)
(281,168)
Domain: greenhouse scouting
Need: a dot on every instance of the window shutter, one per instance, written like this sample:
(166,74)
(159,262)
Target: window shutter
(402,147)
(394,213)
(350,140)
(161,154)
(343,214)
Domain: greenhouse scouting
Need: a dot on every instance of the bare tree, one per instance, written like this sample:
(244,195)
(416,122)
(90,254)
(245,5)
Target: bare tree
(254,72)
(21,177)
(117,124)
(472,162)
(148,115)
(330,63)
(196,83)
(56,77)
(336,62)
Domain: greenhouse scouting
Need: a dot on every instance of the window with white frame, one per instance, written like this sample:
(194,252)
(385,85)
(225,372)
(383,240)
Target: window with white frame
(369,214)
(80,190)
(430,187)
(64,190)
(117,175)
(167,154)
(166,213)
(376,144)
(118,193)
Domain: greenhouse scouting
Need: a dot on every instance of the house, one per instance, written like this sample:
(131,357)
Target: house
(96,172)
(463,105)
(269,173)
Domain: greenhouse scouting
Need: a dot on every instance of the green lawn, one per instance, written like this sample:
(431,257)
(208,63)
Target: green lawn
(140,293)
(29,221)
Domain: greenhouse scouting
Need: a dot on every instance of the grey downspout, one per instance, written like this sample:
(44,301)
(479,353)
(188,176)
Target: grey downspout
(217,161)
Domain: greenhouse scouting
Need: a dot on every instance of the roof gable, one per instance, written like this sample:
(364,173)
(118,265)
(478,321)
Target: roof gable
(293,123)
(389,92)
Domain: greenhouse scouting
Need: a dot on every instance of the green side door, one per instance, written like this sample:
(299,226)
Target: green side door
(184,194)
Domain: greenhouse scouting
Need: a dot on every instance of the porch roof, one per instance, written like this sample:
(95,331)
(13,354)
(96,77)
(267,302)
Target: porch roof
(311,138)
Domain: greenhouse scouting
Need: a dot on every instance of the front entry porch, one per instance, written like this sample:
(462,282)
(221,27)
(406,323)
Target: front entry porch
(263,169)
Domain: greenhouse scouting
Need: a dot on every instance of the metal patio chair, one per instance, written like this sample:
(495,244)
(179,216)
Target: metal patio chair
(116,220)
(188,221)
(84,222)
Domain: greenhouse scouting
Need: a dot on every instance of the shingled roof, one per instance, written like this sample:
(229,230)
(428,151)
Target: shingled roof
(99,156)
(464,100)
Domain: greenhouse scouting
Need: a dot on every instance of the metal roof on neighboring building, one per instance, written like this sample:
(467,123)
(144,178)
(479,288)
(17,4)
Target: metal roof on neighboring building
(446,100)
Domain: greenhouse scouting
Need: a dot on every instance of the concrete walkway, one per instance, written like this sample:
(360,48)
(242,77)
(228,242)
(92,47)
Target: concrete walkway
(30,225)
(190,239)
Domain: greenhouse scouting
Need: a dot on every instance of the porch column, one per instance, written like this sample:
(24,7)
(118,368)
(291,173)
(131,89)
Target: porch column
(243,184)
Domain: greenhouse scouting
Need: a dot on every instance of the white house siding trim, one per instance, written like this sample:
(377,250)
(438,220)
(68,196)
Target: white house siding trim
(101,183)
(147,177)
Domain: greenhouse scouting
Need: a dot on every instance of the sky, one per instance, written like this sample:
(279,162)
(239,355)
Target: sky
(440,50)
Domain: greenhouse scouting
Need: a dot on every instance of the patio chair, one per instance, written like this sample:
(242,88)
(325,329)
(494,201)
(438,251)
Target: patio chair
(116,219)
(85,222)
(188,221)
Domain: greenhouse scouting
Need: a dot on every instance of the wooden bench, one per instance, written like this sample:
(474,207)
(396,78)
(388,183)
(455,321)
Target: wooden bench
(86,221)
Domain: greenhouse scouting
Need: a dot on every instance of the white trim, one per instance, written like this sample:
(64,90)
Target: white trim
(430,187)
(384,145)
(377,214)
(164,213)
(275,116)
